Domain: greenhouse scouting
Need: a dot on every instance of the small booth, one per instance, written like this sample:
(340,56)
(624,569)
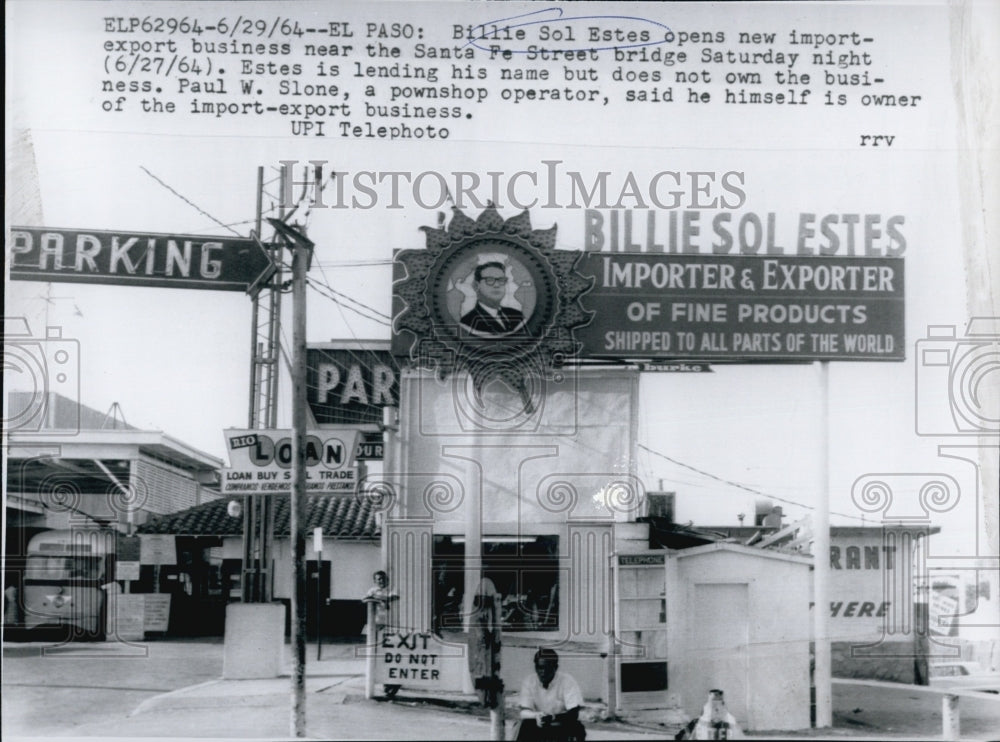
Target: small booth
(741,621)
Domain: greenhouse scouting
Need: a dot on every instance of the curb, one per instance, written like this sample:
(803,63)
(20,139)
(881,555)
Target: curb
(141,708)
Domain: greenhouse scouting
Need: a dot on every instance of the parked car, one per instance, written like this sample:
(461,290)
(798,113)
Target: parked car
(964,675)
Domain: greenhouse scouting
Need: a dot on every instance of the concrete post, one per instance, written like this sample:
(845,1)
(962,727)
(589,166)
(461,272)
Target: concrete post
(950,721)
(371,638)
(255,638)
(821,565)
(498,719)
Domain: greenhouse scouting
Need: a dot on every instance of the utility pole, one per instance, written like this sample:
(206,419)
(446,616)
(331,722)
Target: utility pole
(821,566)
(301,257)
(299,492)
(258,515)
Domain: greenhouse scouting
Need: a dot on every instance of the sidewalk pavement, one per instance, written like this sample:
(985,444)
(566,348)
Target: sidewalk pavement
(336,708)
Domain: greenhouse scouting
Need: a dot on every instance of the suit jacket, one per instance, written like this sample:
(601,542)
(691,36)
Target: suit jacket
(479,320)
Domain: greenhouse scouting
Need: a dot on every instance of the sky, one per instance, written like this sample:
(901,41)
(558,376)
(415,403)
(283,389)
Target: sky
(177,360)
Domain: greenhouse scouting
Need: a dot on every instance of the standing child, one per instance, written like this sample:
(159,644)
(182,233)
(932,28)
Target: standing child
(379,618)
(380,595)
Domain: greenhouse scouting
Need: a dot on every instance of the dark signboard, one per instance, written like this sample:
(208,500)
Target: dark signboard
(496,294)
(641,560)
(350,385)
(742,308)
(129,548)
(371,448)
(136,259)
(676,367)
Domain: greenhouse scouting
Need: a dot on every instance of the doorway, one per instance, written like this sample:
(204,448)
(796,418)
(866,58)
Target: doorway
(720,633)
(317,594)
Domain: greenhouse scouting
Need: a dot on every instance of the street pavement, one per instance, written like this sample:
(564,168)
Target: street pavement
(173,690)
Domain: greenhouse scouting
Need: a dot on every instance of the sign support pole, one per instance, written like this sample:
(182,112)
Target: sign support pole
(821,565)
(298,503)
(318,548)
(301,254)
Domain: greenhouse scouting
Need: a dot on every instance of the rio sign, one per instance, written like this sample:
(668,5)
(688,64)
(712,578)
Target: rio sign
(261,462)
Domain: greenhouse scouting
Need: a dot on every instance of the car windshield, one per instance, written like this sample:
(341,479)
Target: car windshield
(949,671)
(62,568)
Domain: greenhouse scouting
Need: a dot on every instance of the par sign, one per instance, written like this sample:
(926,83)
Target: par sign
(261,462)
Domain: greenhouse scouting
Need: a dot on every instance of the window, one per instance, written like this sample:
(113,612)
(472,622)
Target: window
(63,568)
(661,505)
(524,569)
(948,671)
(47,568)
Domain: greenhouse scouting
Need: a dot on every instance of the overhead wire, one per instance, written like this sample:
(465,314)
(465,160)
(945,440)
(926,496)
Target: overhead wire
(324,288)
(189,202)
(352,263)
(323,291)
(327,291)
(739,485)
(326,285)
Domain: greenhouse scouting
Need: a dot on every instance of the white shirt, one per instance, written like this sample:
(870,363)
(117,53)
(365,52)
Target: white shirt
(727,727)
(381,597)
(562,694)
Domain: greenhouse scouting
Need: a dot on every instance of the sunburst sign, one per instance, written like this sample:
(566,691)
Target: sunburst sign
(489,296)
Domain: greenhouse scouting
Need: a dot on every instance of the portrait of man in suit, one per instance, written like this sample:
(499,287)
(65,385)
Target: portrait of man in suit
(489,316)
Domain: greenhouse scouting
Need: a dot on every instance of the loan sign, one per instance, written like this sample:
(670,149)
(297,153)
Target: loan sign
(261,462)
(739,308)
(137,259)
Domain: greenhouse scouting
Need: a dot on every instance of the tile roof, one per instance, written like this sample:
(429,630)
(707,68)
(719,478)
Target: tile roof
(343,517)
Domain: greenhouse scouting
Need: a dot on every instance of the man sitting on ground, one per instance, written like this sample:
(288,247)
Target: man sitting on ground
(550,703)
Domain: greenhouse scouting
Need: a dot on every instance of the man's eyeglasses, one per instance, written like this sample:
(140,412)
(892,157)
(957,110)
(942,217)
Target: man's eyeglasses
(490,281)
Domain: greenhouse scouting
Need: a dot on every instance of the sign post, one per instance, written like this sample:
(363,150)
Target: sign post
(127,564)
(484,645)
(371,640)
(318,548)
